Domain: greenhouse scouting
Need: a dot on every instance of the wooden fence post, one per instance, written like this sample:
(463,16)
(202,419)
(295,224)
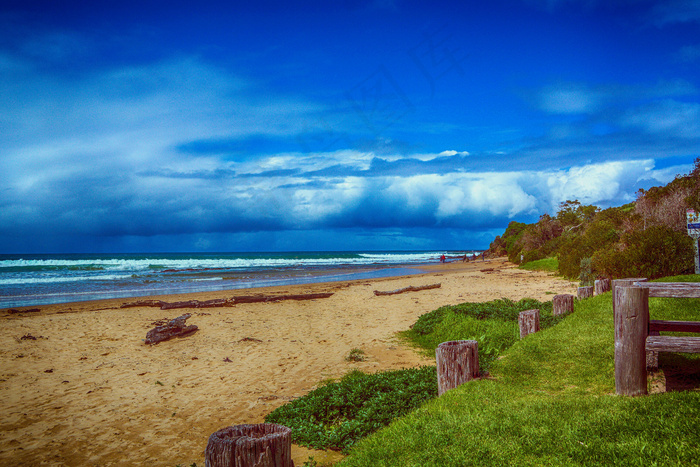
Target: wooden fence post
(529,321)
(457,363)
(562,304)
(631,328)
(261,445)
(584,292)
(624,283)
(602,286)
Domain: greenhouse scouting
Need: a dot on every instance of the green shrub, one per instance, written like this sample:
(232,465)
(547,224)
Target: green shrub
(337,415)
(586,276)
(655,252)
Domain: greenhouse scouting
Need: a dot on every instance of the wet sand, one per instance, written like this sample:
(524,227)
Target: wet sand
(79,387)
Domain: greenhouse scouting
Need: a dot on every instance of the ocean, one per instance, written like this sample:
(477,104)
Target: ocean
(31,280)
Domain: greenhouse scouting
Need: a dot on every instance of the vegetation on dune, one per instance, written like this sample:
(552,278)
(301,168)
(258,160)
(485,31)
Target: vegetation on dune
(338,414)
(646,238)
(550,401)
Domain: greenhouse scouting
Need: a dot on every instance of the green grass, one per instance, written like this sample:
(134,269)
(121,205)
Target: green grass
(494,325)
(546,264)
(550,400)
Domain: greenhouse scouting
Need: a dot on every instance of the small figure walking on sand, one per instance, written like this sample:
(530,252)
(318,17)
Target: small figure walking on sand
(442,258)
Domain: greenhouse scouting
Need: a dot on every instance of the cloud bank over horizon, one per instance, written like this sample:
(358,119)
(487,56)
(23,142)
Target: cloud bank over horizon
(132,139)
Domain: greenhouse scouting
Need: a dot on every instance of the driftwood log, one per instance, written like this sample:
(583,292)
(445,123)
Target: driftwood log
(221,302)
(457,363)
(261,445)
(30,310)
(174,328)
(409,289)
(562,304)
(584,292)
(529,322)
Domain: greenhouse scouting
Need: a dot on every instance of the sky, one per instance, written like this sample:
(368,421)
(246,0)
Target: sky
(139,126)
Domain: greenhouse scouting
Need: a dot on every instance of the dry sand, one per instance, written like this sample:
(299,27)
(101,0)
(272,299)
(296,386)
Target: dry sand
(88,391)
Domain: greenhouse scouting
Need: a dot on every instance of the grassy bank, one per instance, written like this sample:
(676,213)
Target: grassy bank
(550,400)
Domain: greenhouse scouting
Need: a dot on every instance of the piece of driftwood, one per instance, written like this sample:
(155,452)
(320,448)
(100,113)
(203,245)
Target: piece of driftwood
(457,363)
(197,304)
(410,288)
(221,302)
(261,445)
(30,310)
(157,303)
(277,298)
(175,328)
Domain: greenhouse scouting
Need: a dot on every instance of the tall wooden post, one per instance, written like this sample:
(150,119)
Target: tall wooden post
(562,304)
(529,321)
(624,283)
(631,328)
(457,363)
(261,445)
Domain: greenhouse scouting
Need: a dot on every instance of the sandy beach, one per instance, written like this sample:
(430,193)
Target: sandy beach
(79,387)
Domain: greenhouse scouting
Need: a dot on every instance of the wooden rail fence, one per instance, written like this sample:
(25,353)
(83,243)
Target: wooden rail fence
(637,339)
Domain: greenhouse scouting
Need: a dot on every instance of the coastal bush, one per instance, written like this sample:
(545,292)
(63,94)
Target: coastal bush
(655,252)
(338,414)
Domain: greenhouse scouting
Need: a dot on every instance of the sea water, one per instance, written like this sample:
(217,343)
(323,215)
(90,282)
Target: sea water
(27,280)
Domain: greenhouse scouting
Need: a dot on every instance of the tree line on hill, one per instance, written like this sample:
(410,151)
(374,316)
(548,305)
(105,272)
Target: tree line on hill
(645,238)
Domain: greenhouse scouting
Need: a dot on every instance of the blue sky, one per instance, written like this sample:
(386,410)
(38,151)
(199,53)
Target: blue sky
(236,126)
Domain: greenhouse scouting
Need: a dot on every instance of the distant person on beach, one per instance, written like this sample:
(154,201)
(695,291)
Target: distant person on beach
(442,258)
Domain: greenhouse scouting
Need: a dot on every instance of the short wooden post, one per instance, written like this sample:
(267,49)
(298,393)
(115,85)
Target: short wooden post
(562,304)
(631,328)
(584,292)
(457,363)
(261,445)
(602,286)
(529,321)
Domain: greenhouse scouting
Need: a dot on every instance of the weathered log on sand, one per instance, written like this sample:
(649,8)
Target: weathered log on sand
(221,302)
(457,363)
(261,445)
(30,310)
(277,298)
(174,328)
(158,303)
(410,288)
(197,304)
